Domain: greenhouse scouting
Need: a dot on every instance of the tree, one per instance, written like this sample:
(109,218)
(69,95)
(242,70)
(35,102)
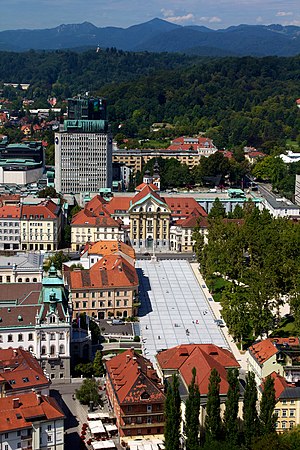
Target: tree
(192,409)
(213,424)
(76,266)
(56,260)
(232,407)
(267,404)
(250,416)
(172,415)
(48,191)
(88,392)
(98,365)
(217,210)
(84,369)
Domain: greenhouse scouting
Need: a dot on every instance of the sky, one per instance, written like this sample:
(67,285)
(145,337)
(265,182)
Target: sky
(215,14)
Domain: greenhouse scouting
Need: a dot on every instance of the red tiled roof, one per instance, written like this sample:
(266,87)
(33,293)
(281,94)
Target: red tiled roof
(204,357)
(118,204)
(280,384)
(17,415)
(17,365)
(47,209)
(109,247)
(255,154)
(147,189)
(10,211)
(182,207)
(142,185)
(264,350)
(194,219)
(88,218)
(112,271)
(132,375)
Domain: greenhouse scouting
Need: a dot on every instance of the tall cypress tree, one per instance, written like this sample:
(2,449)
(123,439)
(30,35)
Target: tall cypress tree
(172,415)
(250,416)
(267,404)
(213,424)
(232,407)
(192,409)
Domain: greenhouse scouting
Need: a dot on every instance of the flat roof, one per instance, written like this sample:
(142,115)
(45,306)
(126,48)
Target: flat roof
(277,202)
(172,302)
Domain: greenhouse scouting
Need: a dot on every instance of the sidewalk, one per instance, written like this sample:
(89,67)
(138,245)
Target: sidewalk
(216,309)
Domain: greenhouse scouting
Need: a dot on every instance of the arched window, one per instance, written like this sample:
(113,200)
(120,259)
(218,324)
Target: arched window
(43,350)
(52,350)
(30,348)
(61,349)
(34,280)
(124,313)
(27,280)
(19,280)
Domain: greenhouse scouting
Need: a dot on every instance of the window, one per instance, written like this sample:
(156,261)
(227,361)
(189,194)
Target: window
(84,304)
(292,412)
(149,408)
(19,280)
(52,336)
(20,337)
(10,338)
(30,337)
(49,438)
(43,338)
(43,350)
(283,425)
(61,335)
(6,436)
(149,419)
(7,279)
(284,402)
(49,427)
(62,349)
(284,413)
(277,412)
(6,445)
(52,350)
(19,445)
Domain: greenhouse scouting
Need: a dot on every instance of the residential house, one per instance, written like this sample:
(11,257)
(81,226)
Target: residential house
(21,373)
(21,268)
(93,252)
(94,223)
(181,360)
(41,226)
(181,233)
(108,289)
(31,421)
(136,396)
(287,408)
(281,355)
(37,318)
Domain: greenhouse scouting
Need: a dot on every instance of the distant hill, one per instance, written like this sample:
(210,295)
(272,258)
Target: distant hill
(161,36)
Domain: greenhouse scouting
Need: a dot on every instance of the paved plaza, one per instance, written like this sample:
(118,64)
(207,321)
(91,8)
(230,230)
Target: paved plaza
(174,309)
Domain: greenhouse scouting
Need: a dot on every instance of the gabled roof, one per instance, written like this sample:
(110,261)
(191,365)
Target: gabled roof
(133,379)
(204,357)
(145,193)
(95,204)
(141,186)
(21,371)
(112,271)
(101,218)
(264,350)
(20,413)
(10,211)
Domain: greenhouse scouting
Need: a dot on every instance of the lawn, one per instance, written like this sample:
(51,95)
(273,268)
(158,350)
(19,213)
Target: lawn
(216,286)
(286,328)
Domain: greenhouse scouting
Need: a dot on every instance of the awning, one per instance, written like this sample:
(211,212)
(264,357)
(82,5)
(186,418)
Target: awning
(103,444)
(96,427)
(111,427)
(98,416)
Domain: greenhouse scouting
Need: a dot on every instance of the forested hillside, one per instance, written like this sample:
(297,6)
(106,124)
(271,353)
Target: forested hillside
(235,101)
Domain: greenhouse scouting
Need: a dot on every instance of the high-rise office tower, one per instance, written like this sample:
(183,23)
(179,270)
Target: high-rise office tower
(83,149)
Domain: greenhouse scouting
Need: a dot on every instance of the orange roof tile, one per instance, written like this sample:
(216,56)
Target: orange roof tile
(142,185)
(112,271)
(132,375)
(10,211)
(183,206)
(118,205)
(147,189)
(264,350)
(16,415)
(47,209)
(109,247)
(21,371)
(204,357)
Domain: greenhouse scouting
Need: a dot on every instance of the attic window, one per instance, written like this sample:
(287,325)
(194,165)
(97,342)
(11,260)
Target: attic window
(12,381)
(25,380)
(37,377)
(20,318)
(19,416)
(145,396)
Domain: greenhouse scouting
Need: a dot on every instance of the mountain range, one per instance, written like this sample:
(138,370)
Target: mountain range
(160,36)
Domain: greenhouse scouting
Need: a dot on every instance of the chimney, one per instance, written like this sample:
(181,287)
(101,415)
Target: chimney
(15,352)
(39,399)
(127,358)
(16,403)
